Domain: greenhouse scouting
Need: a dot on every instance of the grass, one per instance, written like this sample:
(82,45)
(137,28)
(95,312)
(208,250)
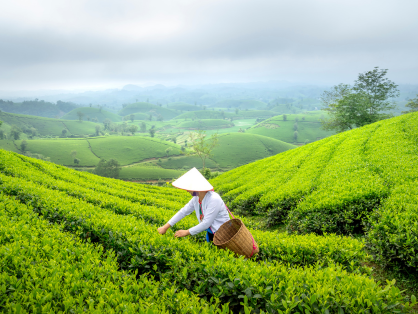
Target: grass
(186,162)
(91,113)
(131,149)
(59,151)
(143,107)
(8,145)
(48,126)
(242,104)
(139,172)
(236,149)
(308,127)
(182,106)
(205,124)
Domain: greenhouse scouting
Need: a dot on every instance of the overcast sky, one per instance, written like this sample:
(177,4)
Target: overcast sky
(56,44)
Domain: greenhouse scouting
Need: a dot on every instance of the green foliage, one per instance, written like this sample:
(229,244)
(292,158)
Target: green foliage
(205,124)
(152,132)
(86,206)
(349,183)
(23,145)
(365,103)
(15,132)
(110,168)
(413,104)
(232,149)
(203,146)
(280,129)
(150,109)
(133,129)
(45,269)
(98,116)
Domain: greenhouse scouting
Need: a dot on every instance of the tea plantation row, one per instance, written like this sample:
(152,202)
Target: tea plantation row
(364,181)
(294,273)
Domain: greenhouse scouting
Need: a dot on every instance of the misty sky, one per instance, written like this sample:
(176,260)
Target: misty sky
(55,44)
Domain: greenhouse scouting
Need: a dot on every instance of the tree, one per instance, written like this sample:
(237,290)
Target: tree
(413,104)
(150,117)
(64,132)
(132,117)
(2,135)
(133,129)
(236,111)
(97,127)
(366,102)
(107,123)
(295,136)
(80,115)
(378,89)
(152,132)
(202,146)
(23,146)
(73,153)
(284,117)
(110,169)
(77,161)
(143,127)
(295,126)
(15,132)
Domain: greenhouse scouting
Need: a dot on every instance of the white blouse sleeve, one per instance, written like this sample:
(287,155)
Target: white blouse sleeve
(186,210)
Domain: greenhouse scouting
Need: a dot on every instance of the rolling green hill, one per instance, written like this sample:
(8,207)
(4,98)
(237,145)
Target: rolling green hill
(308,127)
(243,104)
(183,106)
(92,113)
(363,181)
(59,151)
(131,149)
(213,114)
(139,116)
(236,149)
(143,107)
(126,149)
(48,126)
(205,124)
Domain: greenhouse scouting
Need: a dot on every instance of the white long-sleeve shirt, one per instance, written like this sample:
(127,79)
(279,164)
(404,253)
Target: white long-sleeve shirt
(214,211)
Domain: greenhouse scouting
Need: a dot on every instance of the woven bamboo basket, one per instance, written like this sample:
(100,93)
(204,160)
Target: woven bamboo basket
(233,235)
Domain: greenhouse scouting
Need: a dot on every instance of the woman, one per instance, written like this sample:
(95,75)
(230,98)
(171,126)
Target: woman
(209,207)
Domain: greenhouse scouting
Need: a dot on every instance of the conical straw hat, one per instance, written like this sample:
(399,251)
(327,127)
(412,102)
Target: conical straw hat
(193,180)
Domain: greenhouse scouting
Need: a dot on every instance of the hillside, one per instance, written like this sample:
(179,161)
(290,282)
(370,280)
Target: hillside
(150,109)
(242,104)
(217,114)
(92,113)
(205,124)
(308,126)
(236,149)
(182,106)
(363,181)
(64,230)
(48,126)
(125,149)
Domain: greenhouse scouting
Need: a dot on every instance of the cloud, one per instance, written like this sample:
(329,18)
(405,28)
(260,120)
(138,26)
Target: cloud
(56,43)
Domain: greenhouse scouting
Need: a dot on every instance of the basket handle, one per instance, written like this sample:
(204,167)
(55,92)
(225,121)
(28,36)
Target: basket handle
(254,246)
(229,211)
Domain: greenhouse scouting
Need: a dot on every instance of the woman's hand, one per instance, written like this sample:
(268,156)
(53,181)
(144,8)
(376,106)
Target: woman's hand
(163,229)
(181,233)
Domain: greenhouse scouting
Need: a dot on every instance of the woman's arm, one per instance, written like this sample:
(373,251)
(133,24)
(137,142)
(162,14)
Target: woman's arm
(186,210)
